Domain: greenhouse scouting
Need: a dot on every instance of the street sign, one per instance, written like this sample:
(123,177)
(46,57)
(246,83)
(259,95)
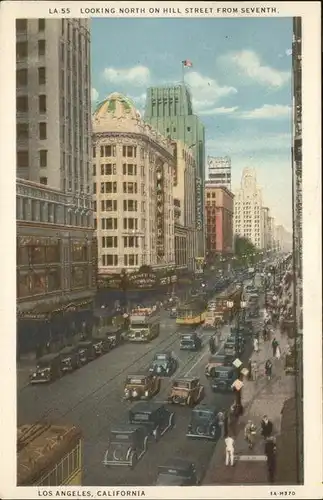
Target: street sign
(244,372)
(237,363)
(237,385)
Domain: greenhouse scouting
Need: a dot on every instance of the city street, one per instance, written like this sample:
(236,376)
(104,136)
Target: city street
(92,399)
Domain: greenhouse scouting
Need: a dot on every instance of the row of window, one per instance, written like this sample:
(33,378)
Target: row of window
(111,187)
(128,260)
(22,49)
(22,76)
(22,103)
(210,195)
(112,223)
(23,131)
(111,151)
(112,206)
(23,158)
(112,242)
(22,25)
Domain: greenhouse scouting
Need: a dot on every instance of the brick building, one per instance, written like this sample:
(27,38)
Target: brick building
(219,220)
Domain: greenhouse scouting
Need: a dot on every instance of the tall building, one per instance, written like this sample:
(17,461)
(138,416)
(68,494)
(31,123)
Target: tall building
(184,201)
(271,233)
(56,249)
(219,171)
(283,238)
(132,189)
(170,111)
(265,214)
(247,208)
(219,220)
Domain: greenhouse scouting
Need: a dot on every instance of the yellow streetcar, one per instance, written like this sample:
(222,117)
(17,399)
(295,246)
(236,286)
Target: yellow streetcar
(49,455)
(192,312)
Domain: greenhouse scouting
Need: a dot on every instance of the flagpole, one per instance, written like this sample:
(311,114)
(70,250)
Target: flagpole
(183,73)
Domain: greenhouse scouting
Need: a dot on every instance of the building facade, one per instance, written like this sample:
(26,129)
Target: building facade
(170,111)
(132,190)
(247,208)
(219,171)
(185,201)
(219,220)
(56,268)
(56,254)
(265,214)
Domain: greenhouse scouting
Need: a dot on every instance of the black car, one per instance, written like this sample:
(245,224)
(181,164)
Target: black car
(177,472)
(86,351)
(127,444)
(224,376)
(204,423)
(116,335)
(190,342)
(154,416)
(69,359)
(163,364)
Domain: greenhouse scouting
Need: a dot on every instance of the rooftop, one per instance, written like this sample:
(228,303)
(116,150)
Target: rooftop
(40,445)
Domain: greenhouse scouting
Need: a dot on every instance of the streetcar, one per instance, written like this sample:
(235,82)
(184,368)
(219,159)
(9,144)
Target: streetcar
(192,312)
(227,303)
(49,455)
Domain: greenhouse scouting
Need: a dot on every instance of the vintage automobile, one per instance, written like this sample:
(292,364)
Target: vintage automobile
(163,364)
(219,359)
(173,312)
(127,444)
(48,369)
(141,386)
(186,391)
(177,472)
(246,328)
(155,416)
(204,423)
(230,348)
(101,344)
(190,342)
(69,358)
(116,336)
(223,379)
(85,351)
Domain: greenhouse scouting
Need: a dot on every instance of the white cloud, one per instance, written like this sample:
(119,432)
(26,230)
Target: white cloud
(249,65)
(94,94)
(218,111)
(266,112)
(207,90)
(241,144)
(138,76)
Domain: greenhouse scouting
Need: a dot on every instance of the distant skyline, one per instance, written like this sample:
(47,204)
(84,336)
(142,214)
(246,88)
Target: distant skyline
(240,83)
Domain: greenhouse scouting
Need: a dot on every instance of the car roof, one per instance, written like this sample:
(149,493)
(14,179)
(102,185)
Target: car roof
(187,334)
(85,342)
(224,368)
(67,349)
(48,357)
(162,353)
(146,407)
(177,463)
(185,379)
(125,429)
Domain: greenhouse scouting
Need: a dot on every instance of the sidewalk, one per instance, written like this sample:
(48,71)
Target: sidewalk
(259,398)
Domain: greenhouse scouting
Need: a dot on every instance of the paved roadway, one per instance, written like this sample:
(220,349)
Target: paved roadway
(92,399)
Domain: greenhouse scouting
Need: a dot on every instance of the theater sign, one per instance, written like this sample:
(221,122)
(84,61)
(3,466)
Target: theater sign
(160,212)
(199,204)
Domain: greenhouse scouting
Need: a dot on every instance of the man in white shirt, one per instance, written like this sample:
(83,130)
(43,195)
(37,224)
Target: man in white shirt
(229,451)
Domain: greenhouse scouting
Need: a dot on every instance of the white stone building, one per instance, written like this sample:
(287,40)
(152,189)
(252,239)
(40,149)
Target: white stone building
(132,189)
(219,171)
(247,208)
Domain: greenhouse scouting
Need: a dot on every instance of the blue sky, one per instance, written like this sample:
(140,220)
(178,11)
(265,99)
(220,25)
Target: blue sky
(240,83)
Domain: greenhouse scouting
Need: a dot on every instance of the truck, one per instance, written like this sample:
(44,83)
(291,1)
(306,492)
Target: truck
(144,324)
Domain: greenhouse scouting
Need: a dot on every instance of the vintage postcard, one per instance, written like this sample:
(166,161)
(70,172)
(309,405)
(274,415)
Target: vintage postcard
(160,205)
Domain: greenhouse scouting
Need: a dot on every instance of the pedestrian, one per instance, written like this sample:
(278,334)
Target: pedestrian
(221,421)
(274,345)
(212,345)
(264,333)
(254,366)
(229,451)
(250,369)
(255,345)
(268,369)
(270,452)
(278,355)
(266,427)
(257,335)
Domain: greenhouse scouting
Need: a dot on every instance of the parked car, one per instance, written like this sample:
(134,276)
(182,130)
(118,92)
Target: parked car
(219,359)
(86,351)
(154,416)
(173,312)
(69,358)
(224,376)
(116,336)
(48,369)
(230,348)
(186,391)
(101,344)
(127,444)
(204,423)
(141,386)
(177,472)
(163,364)
(190,342)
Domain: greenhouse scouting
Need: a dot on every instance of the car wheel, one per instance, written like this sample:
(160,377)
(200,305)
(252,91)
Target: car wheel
(200,430)
(176,399)
(189,401)
(133,460)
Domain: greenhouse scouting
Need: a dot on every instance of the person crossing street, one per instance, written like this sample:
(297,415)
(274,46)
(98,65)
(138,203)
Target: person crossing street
(229,451)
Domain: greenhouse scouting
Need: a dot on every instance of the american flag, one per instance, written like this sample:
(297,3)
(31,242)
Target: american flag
(187,63)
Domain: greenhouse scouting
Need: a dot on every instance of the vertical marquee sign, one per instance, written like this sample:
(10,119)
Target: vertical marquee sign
(160,212)
(199,205)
